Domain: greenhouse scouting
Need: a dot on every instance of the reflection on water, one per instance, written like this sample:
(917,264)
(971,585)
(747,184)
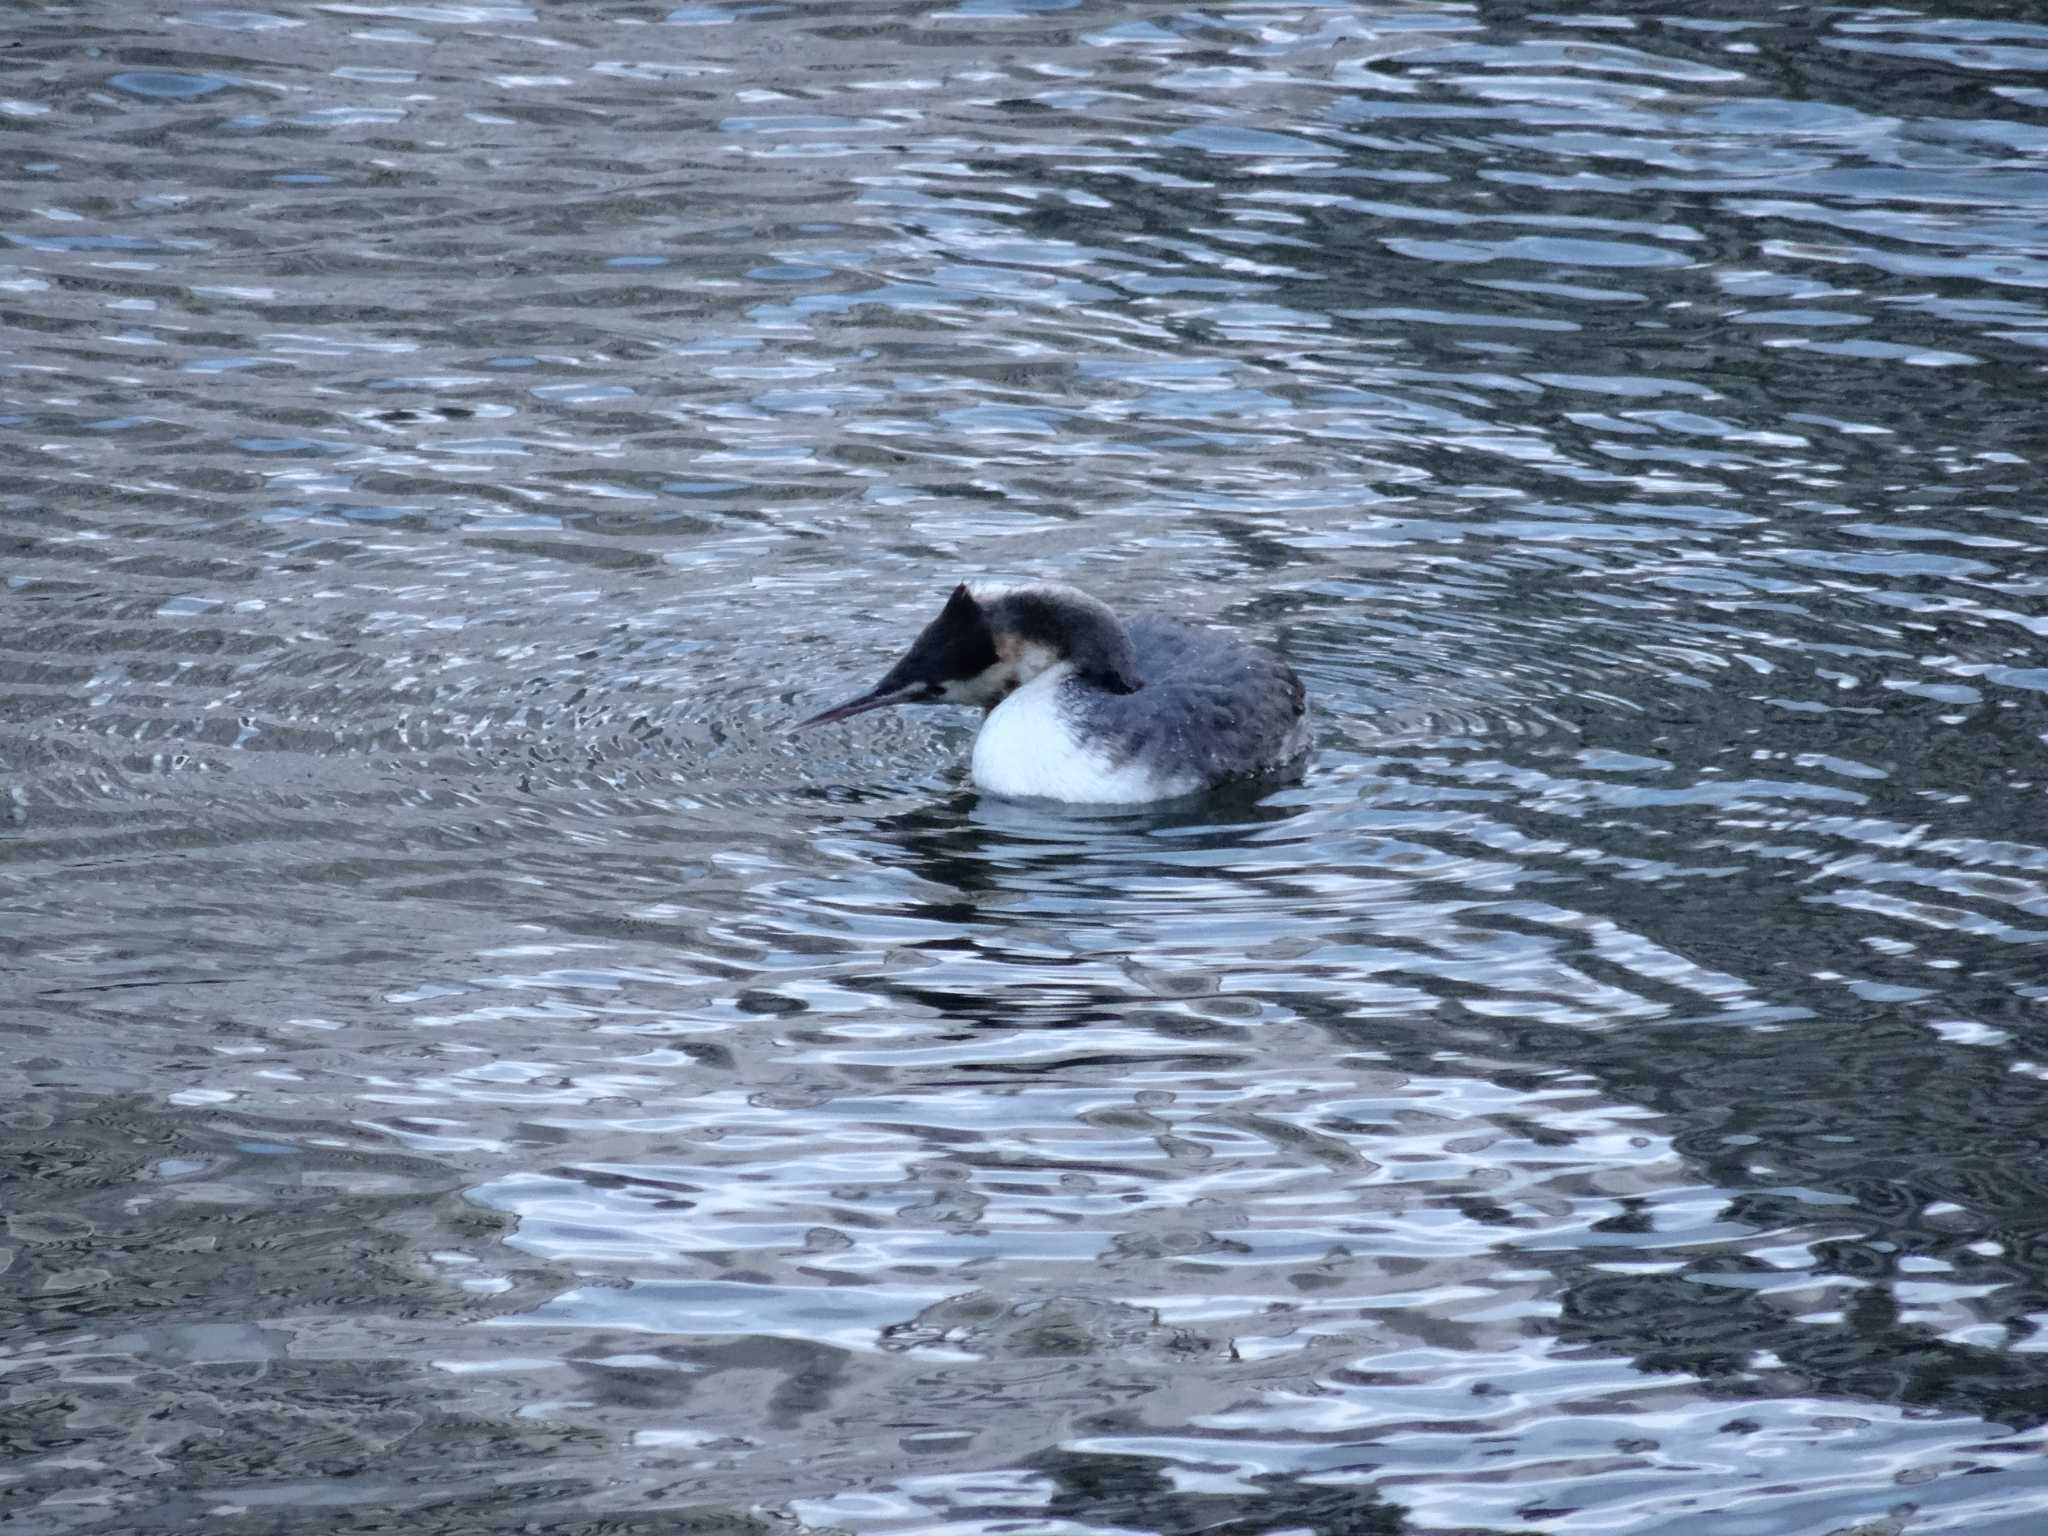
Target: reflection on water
(472,1068)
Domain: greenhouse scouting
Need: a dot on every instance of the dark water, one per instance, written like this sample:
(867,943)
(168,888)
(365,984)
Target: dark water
(466,1068)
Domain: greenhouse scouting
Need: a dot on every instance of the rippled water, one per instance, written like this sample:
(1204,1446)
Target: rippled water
(469,1068)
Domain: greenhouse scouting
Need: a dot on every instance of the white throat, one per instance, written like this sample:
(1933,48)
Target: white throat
(1018,661)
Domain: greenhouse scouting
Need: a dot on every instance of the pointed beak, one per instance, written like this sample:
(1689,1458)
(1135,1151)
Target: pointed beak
(879,697)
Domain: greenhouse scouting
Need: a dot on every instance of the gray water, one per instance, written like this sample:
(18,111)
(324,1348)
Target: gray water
(466,1067)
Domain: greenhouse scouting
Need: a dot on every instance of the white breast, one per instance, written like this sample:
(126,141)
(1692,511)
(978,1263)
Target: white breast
(1028,747)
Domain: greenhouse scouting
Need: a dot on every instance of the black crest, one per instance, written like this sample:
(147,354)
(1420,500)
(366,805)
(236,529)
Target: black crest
(957,644)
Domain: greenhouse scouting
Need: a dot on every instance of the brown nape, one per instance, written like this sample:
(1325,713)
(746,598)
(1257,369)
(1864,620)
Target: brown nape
(1043,625)
(1025,657)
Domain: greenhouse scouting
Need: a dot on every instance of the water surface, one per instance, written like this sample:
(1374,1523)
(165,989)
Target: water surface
(469,1068)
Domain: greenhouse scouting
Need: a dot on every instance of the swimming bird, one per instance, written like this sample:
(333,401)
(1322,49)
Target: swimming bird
(1086,708)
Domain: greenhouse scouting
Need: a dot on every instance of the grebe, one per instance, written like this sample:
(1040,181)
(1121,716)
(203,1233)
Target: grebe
(1084,707)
